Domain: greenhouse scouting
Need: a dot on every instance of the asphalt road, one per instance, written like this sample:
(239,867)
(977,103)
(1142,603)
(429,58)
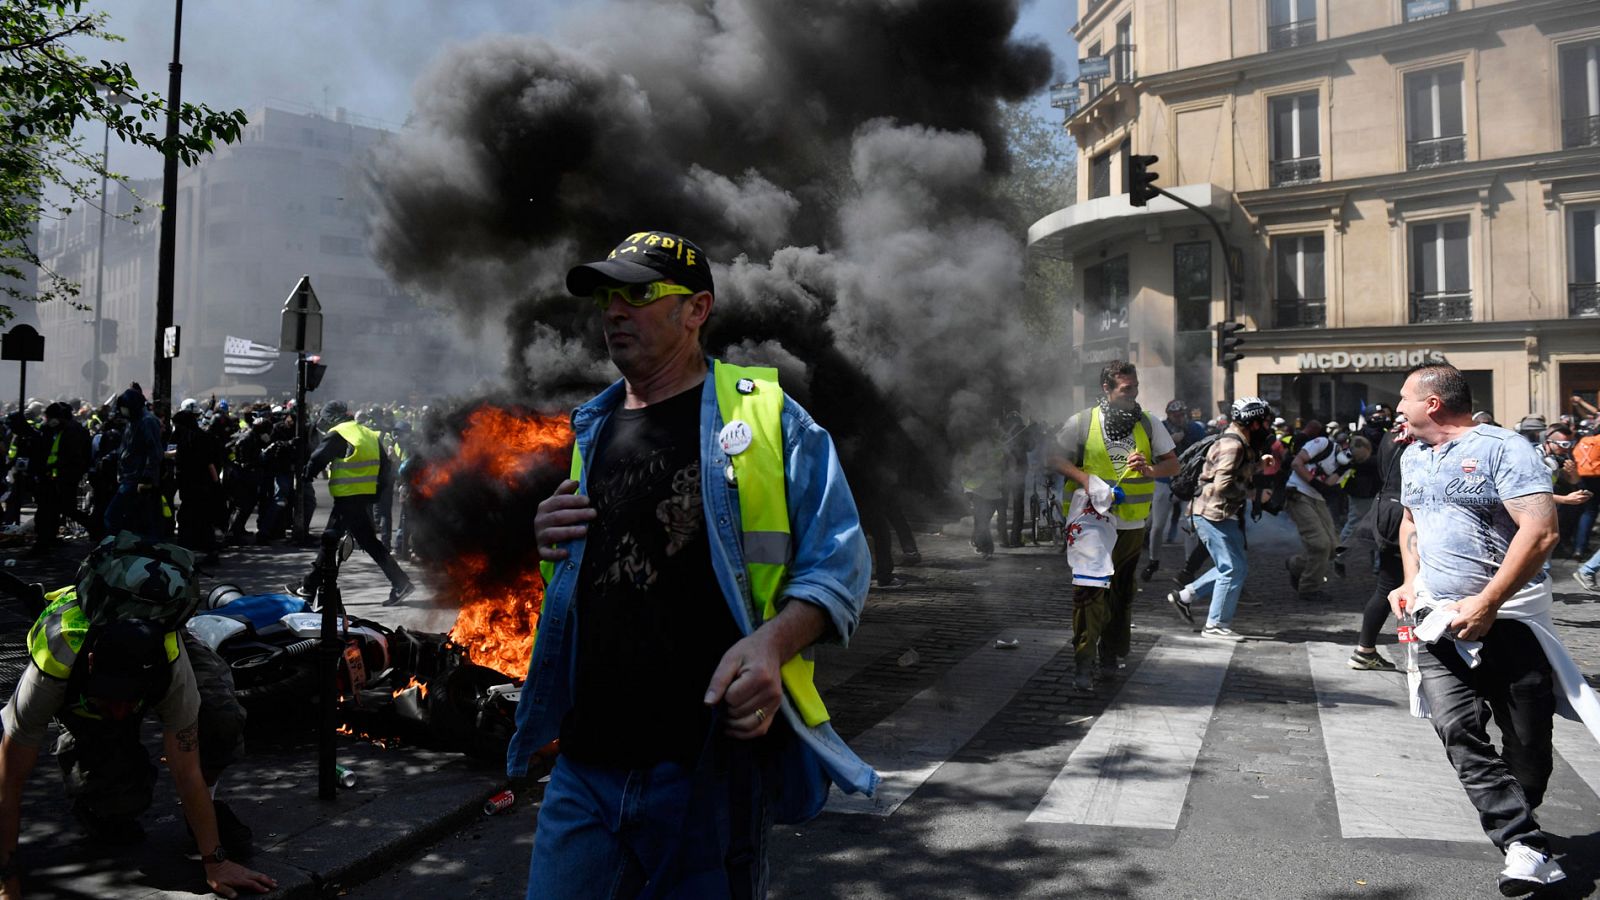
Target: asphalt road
(1263,769)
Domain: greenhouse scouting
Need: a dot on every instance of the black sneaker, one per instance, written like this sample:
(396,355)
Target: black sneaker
(1338,566)
(1149,570)
(1371,662)
(1294,577)
(892,583)
(1588,582)
(1178,604)
(399,592)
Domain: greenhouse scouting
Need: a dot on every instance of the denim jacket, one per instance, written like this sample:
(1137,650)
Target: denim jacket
(830,568)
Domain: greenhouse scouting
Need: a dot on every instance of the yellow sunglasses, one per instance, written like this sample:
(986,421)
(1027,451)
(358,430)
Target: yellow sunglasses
(638,294)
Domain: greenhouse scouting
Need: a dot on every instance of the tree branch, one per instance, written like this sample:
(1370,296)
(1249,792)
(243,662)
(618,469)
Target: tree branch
(86,22)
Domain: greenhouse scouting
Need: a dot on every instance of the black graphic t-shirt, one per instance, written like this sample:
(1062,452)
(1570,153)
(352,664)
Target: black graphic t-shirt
(652,623)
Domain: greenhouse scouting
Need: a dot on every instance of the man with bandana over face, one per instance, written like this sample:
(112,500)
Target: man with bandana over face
(1116,452)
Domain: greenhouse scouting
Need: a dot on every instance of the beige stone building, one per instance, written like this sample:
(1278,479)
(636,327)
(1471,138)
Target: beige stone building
(1402,179)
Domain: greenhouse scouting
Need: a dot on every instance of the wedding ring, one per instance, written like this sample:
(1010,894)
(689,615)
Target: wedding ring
(761,716)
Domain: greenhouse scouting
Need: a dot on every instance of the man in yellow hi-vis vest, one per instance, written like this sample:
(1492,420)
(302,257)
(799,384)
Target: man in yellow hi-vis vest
(706,539)
(1116,452)
(357,466)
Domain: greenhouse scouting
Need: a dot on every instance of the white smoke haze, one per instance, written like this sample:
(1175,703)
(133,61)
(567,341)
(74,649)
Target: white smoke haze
(837,160)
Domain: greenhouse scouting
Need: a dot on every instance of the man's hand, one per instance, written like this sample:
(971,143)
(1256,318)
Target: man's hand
(564,516)
(747,680)
(227,878)
(1404,594)
(1138,463)
(1473,617)
(1576,498)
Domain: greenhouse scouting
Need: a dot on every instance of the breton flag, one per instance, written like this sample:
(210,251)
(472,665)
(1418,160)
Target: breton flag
(246,357)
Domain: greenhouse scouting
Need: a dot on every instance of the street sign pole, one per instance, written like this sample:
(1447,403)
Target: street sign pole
(24,344)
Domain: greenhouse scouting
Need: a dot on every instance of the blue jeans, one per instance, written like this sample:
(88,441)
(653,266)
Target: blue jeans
(1224,581)
(1591,567)
(662,832)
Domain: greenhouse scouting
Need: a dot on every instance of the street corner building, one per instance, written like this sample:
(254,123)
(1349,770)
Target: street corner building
(1401,181)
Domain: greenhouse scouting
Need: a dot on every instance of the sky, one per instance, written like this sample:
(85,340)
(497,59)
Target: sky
(363,55)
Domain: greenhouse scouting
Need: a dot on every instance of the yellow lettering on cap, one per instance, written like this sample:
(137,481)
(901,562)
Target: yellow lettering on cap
(668,243)
(628,250)
(690,257)
(635,236)
(652,240)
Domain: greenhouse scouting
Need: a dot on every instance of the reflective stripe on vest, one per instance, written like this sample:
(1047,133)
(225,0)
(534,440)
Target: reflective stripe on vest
(58,635)
(1097,460)
(763,511)
(55,453)
(357,474)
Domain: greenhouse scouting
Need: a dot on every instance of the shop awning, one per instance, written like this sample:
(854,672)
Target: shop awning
(1069,231)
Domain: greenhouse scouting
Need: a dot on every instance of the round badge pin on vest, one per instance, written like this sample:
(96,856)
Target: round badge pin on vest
(736,437)
(745,386)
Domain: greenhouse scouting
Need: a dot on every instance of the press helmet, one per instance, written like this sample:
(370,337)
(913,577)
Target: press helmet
(1247,410)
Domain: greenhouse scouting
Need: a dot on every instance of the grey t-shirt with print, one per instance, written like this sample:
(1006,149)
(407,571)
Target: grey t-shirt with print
(1456,493)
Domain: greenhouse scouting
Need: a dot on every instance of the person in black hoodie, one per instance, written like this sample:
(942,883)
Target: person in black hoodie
(1384,522)
(63,451)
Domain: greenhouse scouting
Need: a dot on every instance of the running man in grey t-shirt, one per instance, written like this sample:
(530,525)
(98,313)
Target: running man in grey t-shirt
(1479,524)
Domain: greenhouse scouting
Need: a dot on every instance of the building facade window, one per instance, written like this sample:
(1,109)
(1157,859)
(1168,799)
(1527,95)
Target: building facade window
(1417,10)
(1105,300)
(1191,285)
(1583,262)
(1300,295)
(1441,272)
(1580,96)
(1100,176)
(1122,53)
(1291,23)
(1296,141)
(1436,132)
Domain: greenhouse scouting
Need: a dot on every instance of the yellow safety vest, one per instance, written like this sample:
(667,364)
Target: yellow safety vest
(357,474)
(1138,489)
(58,635)
(763,510)
(55,453)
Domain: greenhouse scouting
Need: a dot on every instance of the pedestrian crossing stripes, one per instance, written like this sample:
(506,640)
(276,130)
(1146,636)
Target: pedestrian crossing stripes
(914,741)
(1390,775)
(1135,766)
(1132,769)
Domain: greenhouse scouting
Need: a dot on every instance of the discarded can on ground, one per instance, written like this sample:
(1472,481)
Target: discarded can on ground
(499,802)
(345,777)
(908,658)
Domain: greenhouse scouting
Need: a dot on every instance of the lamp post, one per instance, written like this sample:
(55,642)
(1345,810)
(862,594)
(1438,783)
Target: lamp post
(96,379)
(169,218)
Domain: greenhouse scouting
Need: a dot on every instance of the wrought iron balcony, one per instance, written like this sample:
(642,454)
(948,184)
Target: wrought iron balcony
(1440,151)
(1443,306)
(1291,34)
(1583,301)
(1580,132)
(1308,312)
(1302,170)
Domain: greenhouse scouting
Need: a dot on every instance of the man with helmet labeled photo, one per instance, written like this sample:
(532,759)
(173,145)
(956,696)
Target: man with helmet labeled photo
(1218,515)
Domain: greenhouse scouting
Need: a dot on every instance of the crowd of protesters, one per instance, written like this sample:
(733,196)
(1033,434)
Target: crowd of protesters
(199,475)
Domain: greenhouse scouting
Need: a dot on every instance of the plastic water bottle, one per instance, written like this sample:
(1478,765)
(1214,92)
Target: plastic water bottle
(1405,629)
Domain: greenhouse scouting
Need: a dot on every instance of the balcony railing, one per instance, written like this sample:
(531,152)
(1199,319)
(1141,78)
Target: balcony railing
(1301,170)
(1444,306)
(1440,151)
(1310,312)
(1583,301)
(1580,132)
(1291,34)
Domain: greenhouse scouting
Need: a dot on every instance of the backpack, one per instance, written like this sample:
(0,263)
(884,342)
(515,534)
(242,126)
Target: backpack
(1586,453)
(125,577)
(1186,484)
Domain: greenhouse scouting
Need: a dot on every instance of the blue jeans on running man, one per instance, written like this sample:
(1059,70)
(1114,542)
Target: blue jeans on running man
(1224,581)
(1592,567)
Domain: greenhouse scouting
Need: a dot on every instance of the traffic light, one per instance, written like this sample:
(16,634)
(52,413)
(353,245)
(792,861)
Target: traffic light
(315,369)
(1228,343)
(1141,181)
(108,336)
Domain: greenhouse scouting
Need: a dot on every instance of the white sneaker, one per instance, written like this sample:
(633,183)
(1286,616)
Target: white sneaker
(1217,632)
(1527,870)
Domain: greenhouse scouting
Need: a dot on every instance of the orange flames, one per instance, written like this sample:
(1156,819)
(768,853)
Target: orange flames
(497,620)
(499,444)
(422,687)
(498,614)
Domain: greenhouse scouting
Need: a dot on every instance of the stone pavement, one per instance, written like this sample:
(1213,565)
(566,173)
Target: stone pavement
(404,798)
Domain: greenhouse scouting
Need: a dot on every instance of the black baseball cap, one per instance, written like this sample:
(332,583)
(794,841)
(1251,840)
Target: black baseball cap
(130,661)
(644,257)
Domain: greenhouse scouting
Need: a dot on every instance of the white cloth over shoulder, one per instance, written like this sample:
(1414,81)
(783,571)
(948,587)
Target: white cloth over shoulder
(1575,700)
(1091,535)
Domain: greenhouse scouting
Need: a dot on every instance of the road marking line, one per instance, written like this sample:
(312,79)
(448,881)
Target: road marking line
(913,742)
(1577,746)
(1390,775)
(1132,769)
